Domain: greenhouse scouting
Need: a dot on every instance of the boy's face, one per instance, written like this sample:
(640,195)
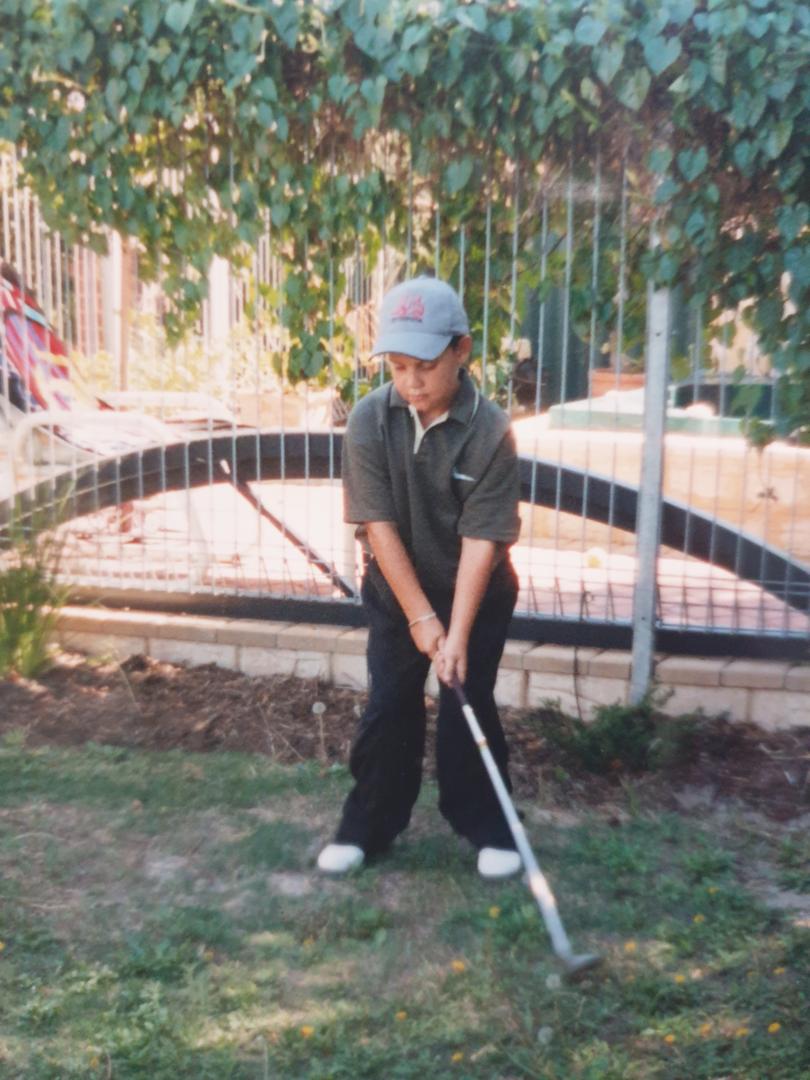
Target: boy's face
(429,385)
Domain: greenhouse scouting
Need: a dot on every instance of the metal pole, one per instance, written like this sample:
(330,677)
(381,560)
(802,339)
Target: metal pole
(648,520)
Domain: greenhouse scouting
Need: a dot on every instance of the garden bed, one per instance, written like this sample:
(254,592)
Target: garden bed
(149,704)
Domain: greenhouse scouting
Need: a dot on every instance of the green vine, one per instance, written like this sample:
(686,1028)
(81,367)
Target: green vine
(191,125)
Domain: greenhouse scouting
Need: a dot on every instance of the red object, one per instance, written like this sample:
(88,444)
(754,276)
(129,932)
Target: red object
(411,308)
(34,371)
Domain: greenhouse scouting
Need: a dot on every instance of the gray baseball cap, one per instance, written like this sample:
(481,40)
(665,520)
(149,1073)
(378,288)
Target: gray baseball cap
(419,318)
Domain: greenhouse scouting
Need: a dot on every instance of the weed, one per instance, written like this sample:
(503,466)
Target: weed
(619,738)
(30,597)
(794,863)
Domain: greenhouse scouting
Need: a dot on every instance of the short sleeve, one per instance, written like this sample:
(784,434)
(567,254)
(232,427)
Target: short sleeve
(367,494)
(490,510)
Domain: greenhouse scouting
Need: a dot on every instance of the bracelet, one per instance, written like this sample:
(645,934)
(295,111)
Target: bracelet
(422,618)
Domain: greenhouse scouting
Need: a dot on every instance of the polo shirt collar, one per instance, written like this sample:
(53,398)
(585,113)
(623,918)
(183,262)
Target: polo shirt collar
(463,407)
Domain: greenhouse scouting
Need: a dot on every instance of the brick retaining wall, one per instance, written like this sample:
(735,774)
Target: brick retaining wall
(769,693)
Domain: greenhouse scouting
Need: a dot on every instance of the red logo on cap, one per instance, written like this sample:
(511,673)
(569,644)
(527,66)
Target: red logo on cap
(411,307)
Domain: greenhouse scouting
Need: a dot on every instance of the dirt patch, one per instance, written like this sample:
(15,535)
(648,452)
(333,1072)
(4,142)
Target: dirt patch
(153,705)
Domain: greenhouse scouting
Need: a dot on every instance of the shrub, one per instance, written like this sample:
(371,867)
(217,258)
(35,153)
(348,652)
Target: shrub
(30,599)
(632,738)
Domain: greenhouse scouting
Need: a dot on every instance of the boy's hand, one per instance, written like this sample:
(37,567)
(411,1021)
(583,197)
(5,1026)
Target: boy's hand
(428,636)
(451,660)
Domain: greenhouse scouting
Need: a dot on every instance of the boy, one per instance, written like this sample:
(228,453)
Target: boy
(430,478)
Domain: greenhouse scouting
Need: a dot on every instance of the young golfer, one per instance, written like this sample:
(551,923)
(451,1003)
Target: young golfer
(430,478)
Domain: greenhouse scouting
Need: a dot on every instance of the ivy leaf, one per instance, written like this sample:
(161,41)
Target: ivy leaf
(779,89)
(589,31)
(778,138)
(665,191)
(120,55)
(632,89)
(660,53)
(150,17)
(136,77)
(692,163)
(502,30)
(457,174)
(413,35)
(608,61)
(695,224)
(792,219)
(718,59)
(744,153)
(280,213)
(265,114)
(680,10)
(286,21)
(518,64)
(84,46)
(265,88)
(542,117)
(113,93)
(473,16)
(758,25)
(178,15)
(590,91)
(659,159)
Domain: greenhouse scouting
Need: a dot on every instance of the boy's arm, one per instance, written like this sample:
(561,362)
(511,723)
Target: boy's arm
(474,570)
(397,569)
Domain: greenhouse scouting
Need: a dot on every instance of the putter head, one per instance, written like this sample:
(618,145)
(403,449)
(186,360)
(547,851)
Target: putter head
(578,965)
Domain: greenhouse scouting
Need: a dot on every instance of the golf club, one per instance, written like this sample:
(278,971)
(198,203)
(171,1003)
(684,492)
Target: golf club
(573,963)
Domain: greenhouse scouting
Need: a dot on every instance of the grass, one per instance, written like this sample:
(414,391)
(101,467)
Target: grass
(161,919)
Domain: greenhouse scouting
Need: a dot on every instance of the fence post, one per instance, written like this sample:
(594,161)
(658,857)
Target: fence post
(648,519)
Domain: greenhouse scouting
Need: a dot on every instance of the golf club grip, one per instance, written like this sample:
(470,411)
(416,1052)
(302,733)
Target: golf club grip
(537,879)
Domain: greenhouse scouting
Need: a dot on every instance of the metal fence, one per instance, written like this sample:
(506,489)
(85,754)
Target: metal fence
(201,476)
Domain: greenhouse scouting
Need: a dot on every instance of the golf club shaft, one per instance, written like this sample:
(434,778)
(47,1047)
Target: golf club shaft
(537,880)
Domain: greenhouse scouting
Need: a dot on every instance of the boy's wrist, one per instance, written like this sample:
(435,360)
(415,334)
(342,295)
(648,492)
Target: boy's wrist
(428,615)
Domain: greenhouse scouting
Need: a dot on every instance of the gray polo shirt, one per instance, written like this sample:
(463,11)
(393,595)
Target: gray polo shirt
(462,479)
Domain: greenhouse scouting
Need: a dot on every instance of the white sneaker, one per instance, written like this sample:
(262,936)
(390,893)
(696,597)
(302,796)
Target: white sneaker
(498,863)
(340,858)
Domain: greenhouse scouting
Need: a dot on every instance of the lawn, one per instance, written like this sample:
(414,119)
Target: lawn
(161,918)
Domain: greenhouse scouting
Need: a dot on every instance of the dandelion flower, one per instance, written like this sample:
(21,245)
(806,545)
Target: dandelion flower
(308,942)
(669,1039)
(705,1029)
(2,945)
(93,1063)
(630,946)
(699,919)
(208,955)
(742,1032)
(774,1027)
(680,978)
(779,971)
(712,889)
(401,1015)
(494,911)
(307,1031)
(457,1057)
(458,966)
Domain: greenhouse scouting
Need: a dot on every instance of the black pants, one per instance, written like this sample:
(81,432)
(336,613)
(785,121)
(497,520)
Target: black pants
(389,744)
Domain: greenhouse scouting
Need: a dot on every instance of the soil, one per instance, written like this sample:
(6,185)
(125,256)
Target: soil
(153,705)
